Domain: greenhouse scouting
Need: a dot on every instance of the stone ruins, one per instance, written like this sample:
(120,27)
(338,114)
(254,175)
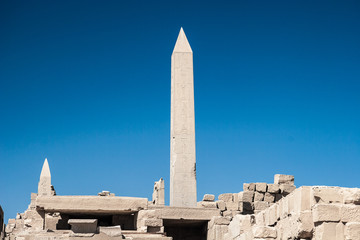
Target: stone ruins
(275,210)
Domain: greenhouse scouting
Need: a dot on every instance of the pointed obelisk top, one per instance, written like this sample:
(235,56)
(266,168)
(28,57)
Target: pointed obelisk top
(45,171)
(44,186)
(182,44)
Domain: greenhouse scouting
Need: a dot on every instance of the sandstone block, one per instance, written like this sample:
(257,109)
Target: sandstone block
(226,197)
(208,204)
(264,232)
(273,188)
(350,213)
(326,213)
(240,224)
(352,231)
(51,220)
(327,194)
(112,231)
(283,179)
(302,199)
(227,213)
(234,206)
(352,196)
(340,231)
(305,225)
(272,211)
(36,217)
(234,229)
(246,196)
(145,214)
(270,198)
(285,189)
(284,210)
(291,203)
(221,205)
(249,187)
(218,220)
(261,187)
(32,214)
(328,231)
(260,219)
(236,197)
(258,196)
(152,222)
(83,225)
(209,197)
(260,205)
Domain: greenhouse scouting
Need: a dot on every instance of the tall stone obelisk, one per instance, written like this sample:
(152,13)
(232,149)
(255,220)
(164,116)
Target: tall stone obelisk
(182,136)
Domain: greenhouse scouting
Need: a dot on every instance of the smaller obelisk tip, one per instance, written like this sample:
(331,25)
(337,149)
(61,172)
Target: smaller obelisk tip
(45,171)
(44,186)
(182,44)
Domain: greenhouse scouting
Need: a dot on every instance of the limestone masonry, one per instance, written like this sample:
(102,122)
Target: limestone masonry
(260,211)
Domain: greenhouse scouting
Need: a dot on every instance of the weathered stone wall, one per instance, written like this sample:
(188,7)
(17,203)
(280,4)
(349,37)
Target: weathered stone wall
(31,220)
(318,213)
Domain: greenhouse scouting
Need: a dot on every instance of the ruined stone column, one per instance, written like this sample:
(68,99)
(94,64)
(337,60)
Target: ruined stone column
(182,136)
(158,197)
(44,187)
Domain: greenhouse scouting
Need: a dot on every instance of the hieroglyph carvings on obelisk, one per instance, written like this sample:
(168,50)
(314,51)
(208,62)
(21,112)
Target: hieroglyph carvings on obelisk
(182,136)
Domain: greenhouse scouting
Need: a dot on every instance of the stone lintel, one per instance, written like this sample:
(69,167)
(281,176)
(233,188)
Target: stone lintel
(183,213)
(91,204)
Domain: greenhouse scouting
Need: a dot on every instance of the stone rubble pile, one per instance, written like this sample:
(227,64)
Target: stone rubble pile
(255,197)
(29,221)
(318,213)
(259,196)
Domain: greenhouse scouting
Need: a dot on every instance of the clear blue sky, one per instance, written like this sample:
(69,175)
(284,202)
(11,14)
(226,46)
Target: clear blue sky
(87,85)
